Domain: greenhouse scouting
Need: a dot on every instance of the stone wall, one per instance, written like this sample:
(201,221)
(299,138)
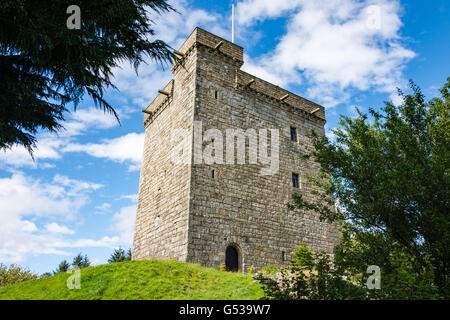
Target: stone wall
(239,206)
(164,188)
(200,215)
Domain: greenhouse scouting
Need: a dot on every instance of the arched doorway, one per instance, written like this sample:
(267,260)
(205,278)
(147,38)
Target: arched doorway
(232,259)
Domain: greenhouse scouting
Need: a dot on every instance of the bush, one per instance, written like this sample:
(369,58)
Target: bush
(311,276)
(314,275)
(14,274)
(303,257)
(251,270)
(269,270)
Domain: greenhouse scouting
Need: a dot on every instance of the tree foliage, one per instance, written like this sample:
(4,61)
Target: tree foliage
(44,65)
(14,274)
(81,261)
(62,267)
(317,276)
(120,255)
(312,276)
(388,172)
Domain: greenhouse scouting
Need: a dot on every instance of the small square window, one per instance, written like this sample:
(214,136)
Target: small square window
(295,180)
(293,134)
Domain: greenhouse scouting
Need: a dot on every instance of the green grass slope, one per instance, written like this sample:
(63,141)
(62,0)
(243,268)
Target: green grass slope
(151,279)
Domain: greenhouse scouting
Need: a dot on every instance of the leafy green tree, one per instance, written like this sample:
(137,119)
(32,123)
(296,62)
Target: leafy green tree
(14,274)
(80,261)
(402,276)
(62,267)
(44,65)
(388,173)
(120,255)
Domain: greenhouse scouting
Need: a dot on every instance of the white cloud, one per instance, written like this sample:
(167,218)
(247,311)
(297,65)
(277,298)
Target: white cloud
(105,241)
(131,197)
(21,195)
(25,200)
(250,11)
(173,28)
(333,47)
(396,99)
(123,223)
(56,228)
(94,117)
(50,144)
(103,208)
(127,148)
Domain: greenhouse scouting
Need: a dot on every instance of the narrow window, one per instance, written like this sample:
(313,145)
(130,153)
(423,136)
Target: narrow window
(293,134)
(215,94)
(283,258)
(212,174)
(295,180)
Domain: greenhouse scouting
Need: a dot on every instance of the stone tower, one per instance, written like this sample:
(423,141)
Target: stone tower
(209,212)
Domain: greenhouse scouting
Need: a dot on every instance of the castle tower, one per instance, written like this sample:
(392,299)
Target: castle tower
(195,208)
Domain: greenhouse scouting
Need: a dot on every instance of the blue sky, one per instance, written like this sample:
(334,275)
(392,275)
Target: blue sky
(79,195)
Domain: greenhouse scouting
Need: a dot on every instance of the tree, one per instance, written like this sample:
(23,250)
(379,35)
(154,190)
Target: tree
(62,267)
(44,65)
(14,274)
(80,261)
(120,255)
(389,177)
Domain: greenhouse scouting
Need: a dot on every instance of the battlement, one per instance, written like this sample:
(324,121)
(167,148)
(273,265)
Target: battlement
(246,80)
(205,38)
(200,37)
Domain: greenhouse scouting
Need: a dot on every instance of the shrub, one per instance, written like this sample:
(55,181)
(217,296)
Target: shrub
(269,270)
(251,269)
(315,276)
(223,267)
(14,274)
(303,256)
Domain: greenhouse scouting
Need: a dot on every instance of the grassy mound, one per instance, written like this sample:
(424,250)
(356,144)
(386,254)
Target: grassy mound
(151,279)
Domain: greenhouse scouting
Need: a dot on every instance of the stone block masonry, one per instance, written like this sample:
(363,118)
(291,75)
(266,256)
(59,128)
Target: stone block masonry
(193,211)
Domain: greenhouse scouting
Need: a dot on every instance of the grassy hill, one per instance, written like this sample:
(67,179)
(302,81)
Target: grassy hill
(151,279)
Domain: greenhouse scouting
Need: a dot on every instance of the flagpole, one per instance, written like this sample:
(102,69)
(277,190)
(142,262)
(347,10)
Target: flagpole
(232,23)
